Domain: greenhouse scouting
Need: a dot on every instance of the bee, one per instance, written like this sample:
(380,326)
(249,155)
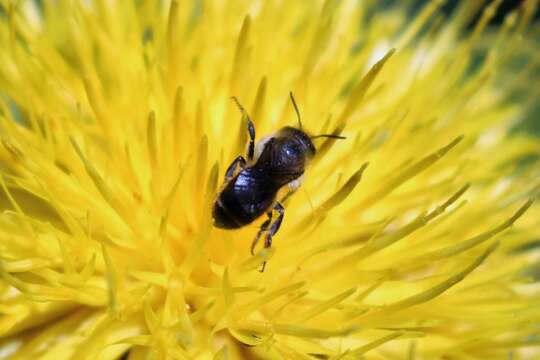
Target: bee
(251,186)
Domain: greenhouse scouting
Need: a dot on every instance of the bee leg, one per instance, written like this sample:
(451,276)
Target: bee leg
(275,225)
(287,196)
(262,229)
(273,228)
(239,161)
(293,187)
(251,129)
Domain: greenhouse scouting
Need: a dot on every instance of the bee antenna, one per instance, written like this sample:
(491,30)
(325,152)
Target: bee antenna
(296,110)
(242,110)
(332,136)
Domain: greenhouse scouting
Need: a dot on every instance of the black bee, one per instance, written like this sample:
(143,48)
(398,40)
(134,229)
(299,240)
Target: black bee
(276,161)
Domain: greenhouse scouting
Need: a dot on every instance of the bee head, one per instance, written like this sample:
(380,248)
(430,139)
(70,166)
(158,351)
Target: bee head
(302,136)
(298,141)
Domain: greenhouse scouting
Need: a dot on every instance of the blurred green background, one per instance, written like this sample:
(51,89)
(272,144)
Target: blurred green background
(531,123)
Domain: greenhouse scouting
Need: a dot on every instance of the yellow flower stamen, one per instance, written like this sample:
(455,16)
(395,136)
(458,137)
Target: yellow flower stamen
(117,128)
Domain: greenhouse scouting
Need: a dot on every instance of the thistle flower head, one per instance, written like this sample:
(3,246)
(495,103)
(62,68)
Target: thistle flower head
(116,128)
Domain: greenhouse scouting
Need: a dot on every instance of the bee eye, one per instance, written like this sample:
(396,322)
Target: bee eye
(292,151)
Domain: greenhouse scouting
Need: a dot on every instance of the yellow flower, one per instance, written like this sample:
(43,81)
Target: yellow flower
(116,127)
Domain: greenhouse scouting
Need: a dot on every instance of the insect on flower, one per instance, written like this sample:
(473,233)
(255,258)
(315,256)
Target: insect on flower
(251,186)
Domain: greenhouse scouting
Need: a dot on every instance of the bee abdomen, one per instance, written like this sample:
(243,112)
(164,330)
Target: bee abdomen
(225,218)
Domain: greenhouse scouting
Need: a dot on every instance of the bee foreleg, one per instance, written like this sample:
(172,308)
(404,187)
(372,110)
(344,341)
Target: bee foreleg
(239,161)
(293,186)
(262,229)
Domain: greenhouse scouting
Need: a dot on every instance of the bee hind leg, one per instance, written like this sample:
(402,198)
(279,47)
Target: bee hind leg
(273,228)
(262,229)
